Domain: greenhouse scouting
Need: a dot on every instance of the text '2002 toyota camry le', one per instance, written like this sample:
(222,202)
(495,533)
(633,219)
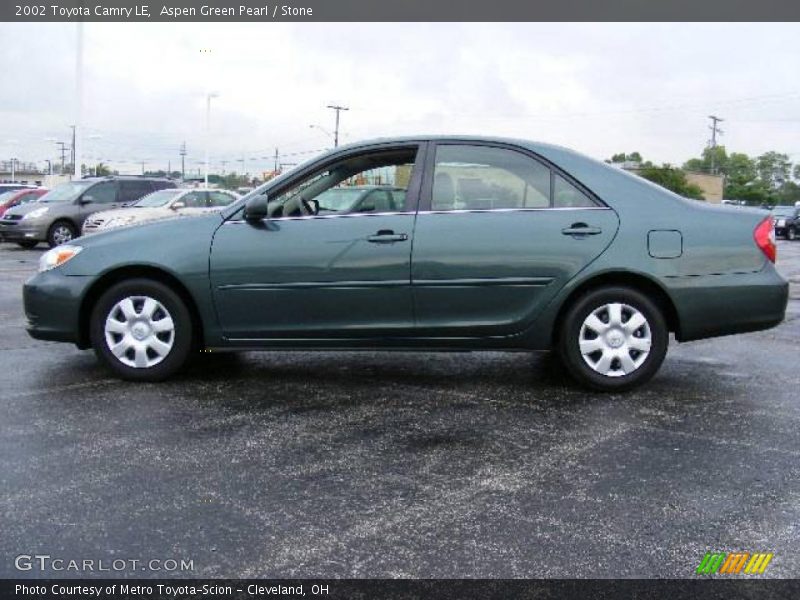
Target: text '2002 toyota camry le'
(494,244)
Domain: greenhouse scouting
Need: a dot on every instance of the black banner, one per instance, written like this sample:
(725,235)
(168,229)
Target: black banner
(393,589)
(397,10)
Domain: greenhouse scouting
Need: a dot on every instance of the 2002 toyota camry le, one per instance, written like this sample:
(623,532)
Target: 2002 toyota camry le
(495,244)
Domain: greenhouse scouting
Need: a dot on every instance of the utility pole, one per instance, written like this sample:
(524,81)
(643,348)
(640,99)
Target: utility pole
(223,163)
(13,161)
(338,109)
(49,166)
(183,160)
(72,152)
(715,130)
(275,170)
(142,167)
(63,154)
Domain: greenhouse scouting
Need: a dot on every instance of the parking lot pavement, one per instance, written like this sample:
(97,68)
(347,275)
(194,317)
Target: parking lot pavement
(345,464)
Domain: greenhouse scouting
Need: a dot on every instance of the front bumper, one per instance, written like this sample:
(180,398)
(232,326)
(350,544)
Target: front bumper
(20,231)
(52,306)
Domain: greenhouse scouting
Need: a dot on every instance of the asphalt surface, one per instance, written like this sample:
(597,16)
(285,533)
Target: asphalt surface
(399,464)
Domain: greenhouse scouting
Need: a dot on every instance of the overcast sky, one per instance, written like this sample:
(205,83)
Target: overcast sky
(598,88)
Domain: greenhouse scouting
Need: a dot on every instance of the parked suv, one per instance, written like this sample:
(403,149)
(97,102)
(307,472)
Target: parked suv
(58,215)
(787,221)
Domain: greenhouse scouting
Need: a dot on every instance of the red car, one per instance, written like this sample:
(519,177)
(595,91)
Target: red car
(21,196)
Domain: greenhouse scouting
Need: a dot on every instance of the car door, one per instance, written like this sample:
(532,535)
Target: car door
(498,234)
(104,195)
(191,203)
(132,190)
(219,199)
(320,276)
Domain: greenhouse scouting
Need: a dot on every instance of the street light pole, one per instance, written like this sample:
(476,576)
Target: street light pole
(209,96)
(76,131)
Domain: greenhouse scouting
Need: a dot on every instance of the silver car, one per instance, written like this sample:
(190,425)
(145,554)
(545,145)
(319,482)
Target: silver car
(163,204)
(57,217)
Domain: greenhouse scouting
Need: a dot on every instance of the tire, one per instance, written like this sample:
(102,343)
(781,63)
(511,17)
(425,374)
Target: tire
(621,359)
(28,244)
(61,232)
(791,234)
(146,348)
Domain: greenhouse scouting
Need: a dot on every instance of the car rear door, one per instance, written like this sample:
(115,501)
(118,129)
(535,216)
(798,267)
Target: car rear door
(498,234)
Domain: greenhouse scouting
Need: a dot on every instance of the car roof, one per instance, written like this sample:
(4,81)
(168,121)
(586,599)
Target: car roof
(125,178)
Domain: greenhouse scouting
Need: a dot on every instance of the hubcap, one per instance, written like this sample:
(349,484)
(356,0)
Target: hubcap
(62,234)
(139,331)
(615,339)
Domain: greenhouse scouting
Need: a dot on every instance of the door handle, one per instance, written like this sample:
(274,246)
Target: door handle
(387,236)
(581,229)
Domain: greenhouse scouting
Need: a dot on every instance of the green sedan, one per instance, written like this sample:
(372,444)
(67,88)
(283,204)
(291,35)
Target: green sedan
(468,244)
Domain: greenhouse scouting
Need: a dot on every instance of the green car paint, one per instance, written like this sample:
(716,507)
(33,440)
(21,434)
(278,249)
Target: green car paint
(472,279)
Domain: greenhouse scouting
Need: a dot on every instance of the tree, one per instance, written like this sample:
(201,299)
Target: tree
(714,159)
(773,169)
(673,179)
(622,157)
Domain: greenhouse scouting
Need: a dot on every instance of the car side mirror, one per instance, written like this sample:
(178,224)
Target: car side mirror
(178,204)
(255,209)
(86,199)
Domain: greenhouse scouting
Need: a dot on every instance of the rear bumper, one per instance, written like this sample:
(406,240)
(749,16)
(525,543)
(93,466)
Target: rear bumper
(716,305)
(52,306)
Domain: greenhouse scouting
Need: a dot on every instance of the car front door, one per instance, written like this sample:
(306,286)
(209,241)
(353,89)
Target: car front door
(101,196)
(192,203)
(498,234)
(299,276)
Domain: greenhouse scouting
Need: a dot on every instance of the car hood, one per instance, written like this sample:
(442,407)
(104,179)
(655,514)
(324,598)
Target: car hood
(24,209)
(138,213)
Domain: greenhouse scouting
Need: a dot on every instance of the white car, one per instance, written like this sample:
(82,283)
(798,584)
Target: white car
(163,204)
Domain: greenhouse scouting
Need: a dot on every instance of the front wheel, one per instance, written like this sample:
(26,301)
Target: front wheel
(142,330)
(613,339)
(60,232)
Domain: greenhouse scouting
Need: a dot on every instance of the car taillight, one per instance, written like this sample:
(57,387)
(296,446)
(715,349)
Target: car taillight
(764,235)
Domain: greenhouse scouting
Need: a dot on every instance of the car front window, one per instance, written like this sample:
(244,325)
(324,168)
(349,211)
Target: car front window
(338,199)
(339,188)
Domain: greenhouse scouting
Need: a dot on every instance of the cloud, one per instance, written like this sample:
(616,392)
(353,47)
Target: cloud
(600,88)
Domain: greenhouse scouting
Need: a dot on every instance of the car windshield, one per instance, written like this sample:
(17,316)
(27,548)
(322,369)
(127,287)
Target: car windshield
(159,198)
(66,191)
(338,199)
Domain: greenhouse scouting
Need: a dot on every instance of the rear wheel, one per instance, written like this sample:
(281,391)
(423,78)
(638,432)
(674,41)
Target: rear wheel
(28,244)
(60,232)
(613,339)
(142,330)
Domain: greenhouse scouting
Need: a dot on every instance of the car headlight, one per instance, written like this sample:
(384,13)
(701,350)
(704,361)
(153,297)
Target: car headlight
(35,214)
(119,221)
(57,257)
